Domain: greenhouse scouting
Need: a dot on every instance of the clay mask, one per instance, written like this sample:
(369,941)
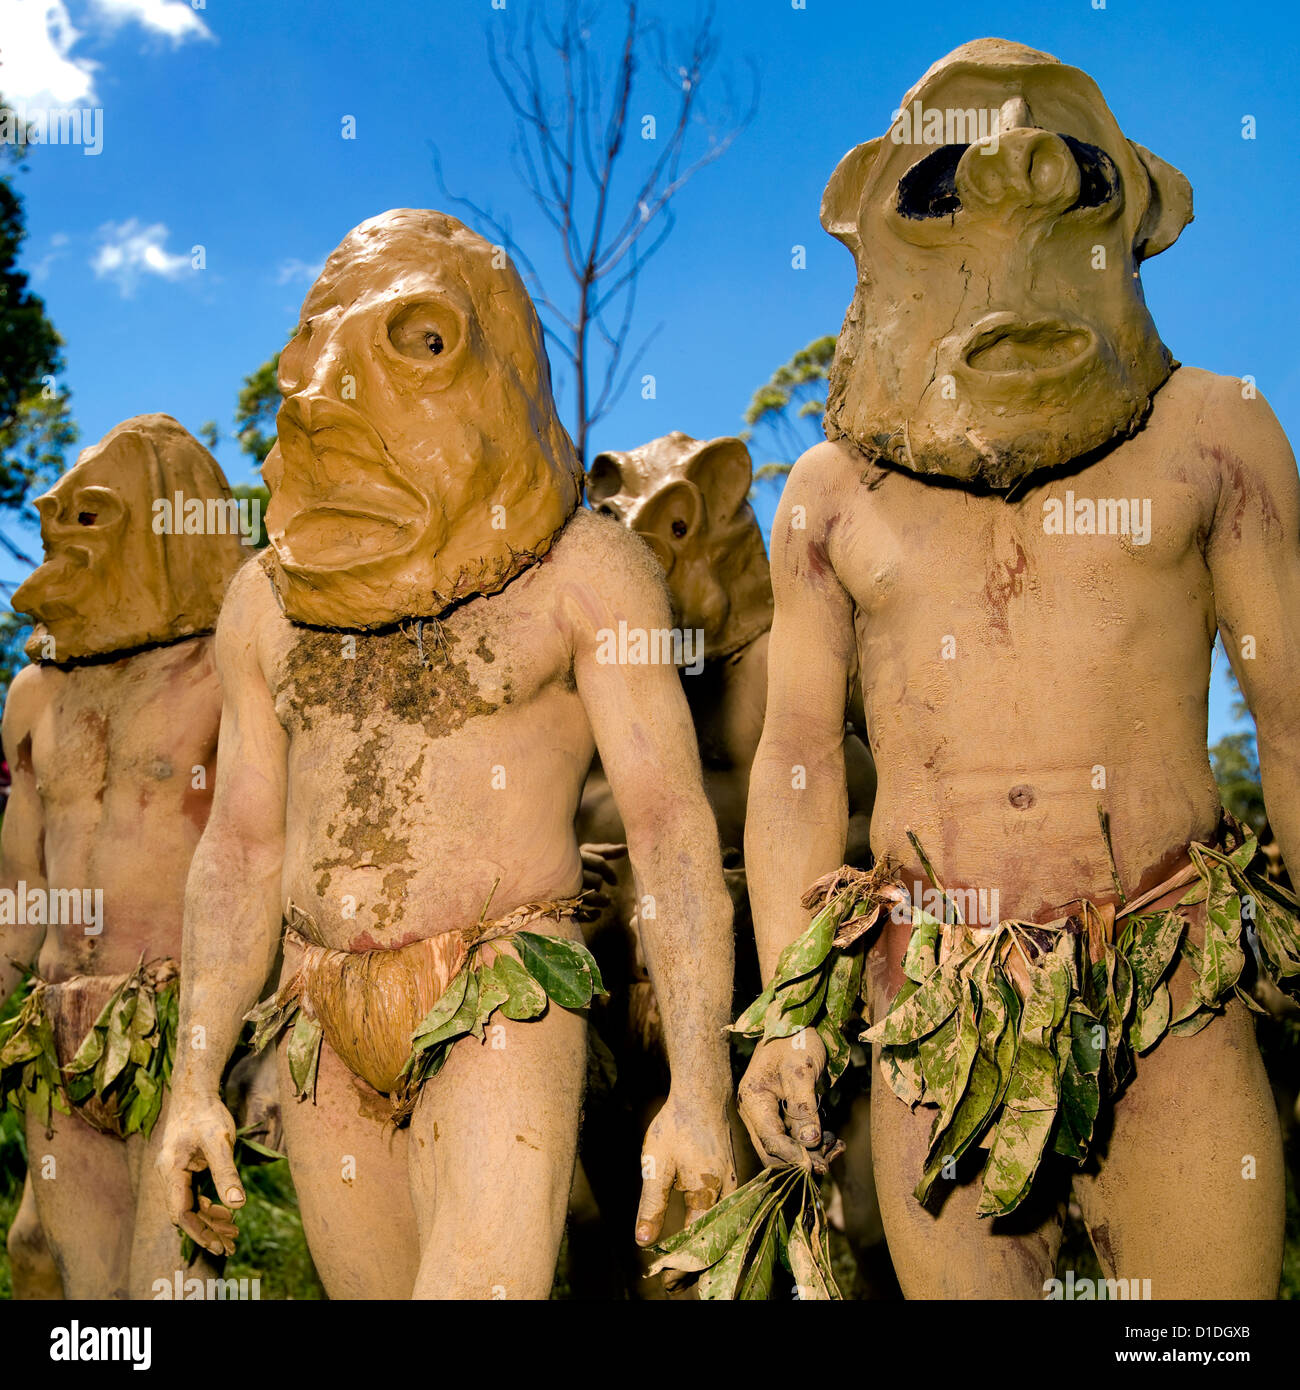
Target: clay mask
(998,326)
(420,459)
(687,498)
(119,572)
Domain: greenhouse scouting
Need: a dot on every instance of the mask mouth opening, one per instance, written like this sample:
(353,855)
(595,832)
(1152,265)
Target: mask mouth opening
(337,536)
(1011,347)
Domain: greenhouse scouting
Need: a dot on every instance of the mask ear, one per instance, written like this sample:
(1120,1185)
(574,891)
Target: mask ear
(842,200)
(722,471)
(672,521)
(605,477)
(1169,207)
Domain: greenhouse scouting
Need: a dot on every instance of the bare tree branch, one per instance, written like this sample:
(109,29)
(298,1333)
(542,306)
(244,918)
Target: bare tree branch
(572,153)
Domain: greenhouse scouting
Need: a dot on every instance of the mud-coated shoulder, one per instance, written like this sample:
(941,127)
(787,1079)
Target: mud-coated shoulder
(604,571)
(29,691)
(247,613)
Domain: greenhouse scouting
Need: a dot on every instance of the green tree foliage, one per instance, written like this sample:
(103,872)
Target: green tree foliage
(35,425)
(259,399)
(784,418)
(1235,760)
(249,491)
(1236,770)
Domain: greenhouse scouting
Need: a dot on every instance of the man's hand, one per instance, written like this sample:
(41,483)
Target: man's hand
(688,1147)
(783,1072)
(598,875)
(200,1134)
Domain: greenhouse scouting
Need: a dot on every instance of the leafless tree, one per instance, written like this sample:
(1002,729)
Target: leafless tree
(576,137)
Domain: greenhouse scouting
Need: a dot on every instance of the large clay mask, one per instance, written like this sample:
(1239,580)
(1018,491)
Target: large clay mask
(118,574)
(998,325)
(687,499)
(420,459)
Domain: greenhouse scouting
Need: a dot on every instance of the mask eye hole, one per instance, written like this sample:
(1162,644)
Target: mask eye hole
(929,188)
(423,332)
(87,518)
(1098,177)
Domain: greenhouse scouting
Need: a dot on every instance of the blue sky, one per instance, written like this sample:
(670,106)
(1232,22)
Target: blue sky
(222,128)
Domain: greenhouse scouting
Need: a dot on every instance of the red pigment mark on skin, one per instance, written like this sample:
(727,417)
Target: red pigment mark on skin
(1003,583)
(1244,486)
(818,562)
(197,801)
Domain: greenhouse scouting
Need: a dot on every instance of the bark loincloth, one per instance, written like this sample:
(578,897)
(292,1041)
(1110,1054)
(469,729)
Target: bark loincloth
(97,1046)
(393,1015)
(1018,1032)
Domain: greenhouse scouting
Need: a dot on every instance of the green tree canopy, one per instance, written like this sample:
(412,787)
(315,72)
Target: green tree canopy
(259,399)
(784,418)
(35,424)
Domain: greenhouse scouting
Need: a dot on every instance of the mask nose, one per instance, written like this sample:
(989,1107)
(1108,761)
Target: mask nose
(1030,168)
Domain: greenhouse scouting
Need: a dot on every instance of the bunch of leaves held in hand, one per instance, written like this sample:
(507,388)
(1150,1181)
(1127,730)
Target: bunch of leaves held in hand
(30,1080)
(736,1246)
(818,978)
(126,1058)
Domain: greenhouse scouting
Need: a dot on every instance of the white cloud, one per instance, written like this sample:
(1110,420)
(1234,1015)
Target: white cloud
(294,269)
(36,54)
(58,244)
(37,62)
(127,251)
(174,18)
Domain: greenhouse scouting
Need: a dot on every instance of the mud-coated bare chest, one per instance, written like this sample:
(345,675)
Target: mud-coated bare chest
(437,677)
(143,721)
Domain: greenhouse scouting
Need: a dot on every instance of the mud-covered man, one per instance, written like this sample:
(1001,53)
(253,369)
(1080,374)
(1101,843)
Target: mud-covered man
(112,738)
(412,696)
(998,388)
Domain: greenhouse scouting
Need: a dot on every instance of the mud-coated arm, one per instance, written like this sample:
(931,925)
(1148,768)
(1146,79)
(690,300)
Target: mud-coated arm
(646,740)
(232,911)
(797,819)
(24,828)
(1254,558)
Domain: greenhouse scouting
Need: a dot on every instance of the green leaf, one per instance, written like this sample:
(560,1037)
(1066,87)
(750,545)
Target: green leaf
(783,1022)
(1190,1022)
(921,1012)
(525,998)
(1155,944)
(1017,1149)
(303,1054)
(704,1242)
(491,993)
(445,1009)
(809,1278)
(750,1023)
(1151,1020)
(1080,1086)
(807,952)
(723,1280)
(922,955)
(994,1015)
(564,969)
(1222,957)
(460,1023)
(756,1283)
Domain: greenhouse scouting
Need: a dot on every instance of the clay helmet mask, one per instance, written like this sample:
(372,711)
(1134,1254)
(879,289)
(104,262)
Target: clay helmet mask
(419,460)
(998,326)
(688,500)
(111,582)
